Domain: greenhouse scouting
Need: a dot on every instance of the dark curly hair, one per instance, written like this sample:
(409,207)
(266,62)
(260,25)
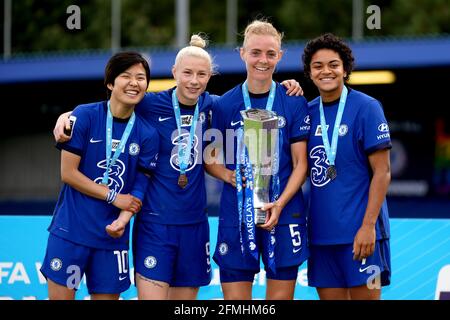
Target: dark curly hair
(332,42)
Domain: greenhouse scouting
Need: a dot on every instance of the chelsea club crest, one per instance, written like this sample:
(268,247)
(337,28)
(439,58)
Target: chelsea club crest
(133,149)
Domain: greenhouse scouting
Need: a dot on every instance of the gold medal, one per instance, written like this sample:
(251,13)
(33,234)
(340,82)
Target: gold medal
(182,181)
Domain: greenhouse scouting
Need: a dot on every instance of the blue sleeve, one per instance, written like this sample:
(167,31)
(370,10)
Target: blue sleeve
(81,124)
(300,126)
(144,107)
(148,157)
(374,131)
(147,162)
(214,97)
(217,117)
(140,185)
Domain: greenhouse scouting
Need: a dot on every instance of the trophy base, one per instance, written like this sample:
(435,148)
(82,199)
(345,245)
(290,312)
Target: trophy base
(260,216)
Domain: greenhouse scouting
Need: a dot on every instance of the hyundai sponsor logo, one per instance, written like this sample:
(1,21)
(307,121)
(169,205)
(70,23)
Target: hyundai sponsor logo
(383,127)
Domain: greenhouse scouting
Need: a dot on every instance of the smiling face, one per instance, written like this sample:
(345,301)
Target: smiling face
(129,86)
(192,75)
(327,73)
(261,54)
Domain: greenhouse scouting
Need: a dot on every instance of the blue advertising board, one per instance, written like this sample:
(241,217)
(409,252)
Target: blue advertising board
(420,251)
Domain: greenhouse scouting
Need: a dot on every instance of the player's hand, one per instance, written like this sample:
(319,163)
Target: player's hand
(364,242)
(231,178)
(273,215)
(128,202)
(293,87)
(116,228)
(62,123)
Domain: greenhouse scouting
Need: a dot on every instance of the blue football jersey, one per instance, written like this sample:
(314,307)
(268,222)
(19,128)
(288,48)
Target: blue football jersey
(337,206)
(80,218)
(165,201)
(294,126)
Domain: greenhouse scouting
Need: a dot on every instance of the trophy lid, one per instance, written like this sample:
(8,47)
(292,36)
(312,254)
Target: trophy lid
(260,115)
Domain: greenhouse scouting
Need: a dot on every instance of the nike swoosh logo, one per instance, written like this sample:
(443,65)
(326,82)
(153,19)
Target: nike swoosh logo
(364,269)
(208,270)
(94,141)
(163,119)
(296,250)
(122,278)
(233,123)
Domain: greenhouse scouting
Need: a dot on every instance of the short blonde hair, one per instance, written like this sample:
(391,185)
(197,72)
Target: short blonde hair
(262,27)
(196,48)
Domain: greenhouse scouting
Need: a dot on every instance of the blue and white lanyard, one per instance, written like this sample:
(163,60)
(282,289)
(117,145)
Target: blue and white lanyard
(331,152)
(109,130)
(270,99)
(184,153)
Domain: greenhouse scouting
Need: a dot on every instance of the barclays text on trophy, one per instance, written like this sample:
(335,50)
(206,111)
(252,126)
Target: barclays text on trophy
(261,140)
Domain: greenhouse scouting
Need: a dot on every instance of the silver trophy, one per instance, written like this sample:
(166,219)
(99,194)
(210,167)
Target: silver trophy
(261,139)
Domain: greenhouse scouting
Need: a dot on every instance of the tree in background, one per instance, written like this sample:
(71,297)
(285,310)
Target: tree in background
(415,17)
(41,25)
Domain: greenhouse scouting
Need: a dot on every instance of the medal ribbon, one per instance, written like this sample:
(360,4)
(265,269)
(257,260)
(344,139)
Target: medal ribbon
(275,195)
(109,129)
(331,152)
(245,197)
(184,153)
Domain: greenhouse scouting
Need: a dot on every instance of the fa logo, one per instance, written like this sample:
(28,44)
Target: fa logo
(318,132)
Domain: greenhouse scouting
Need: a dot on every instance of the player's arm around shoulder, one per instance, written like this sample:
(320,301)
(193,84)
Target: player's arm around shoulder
(146,105)
(292,87)
(62,131)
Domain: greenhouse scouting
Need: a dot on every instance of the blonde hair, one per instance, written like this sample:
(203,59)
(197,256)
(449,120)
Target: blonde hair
(262,27)
(196,48)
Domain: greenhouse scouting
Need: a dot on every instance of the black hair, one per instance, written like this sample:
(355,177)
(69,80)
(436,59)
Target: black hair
(332,42)
(120,62)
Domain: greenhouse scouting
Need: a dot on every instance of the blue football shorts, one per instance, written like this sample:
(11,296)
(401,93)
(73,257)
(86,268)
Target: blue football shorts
(332,266)
(291,250)
(176,254)
(66,263)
